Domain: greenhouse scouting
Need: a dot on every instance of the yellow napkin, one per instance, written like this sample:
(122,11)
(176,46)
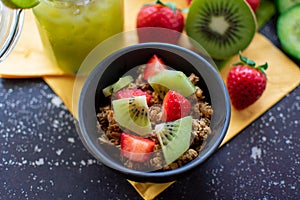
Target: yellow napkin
(28,60)
(283,77)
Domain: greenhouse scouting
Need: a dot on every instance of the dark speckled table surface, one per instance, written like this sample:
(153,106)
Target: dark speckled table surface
(42,156)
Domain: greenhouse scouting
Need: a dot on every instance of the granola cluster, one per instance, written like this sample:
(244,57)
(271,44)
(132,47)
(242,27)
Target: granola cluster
(110,132)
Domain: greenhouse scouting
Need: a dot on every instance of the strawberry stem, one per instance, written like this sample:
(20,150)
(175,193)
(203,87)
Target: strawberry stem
(171,5)
(251,63)
(185,10)
(246,60)
(168,4)
(262,68)
(159,2)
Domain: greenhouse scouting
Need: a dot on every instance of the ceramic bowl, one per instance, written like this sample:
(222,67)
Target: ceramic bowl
(115,66)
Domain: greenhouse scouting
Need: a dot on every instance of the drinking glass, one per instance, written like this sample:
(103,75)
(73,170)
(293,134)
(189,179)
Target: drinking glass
(11,22)
(70,29)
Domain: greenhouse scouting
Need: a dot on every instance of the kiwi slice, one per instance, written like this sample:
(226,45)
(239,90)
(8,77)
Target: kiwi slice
(19,4)
(173,80)
(133,114)
(221,27)
(174,137)
(121,83)
(283,5)
(288,31)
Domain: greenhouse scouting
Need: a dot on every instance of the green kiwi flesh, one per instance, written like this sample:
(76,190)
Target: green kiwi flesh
(161,90)
(121,83)
(288,31)
(173,80)
(221,27)
(283,5)
(174,137)
(132,114)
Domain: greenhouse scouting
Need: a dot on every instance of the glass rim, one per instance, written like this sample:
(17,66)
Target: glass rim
(11,23)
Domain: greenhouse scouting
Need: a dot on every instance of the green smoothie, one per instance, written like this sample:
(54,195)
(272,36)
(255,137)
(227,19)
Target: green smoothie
(70,29)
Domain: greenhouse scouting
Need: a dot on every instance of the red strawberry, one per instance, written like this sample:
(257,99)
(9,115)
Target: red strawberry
(154,66)
(164,16)
(126,93)
(246,82)
(253,4)
(175,106)
(136,148)
(189,2)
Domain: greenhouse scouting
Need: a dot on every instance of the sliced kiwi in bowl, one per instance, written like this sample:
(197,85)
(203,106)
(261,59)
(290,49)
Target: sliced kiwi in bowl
(221,27)
(132,113)
(121,83)
(174,137)
(173,80)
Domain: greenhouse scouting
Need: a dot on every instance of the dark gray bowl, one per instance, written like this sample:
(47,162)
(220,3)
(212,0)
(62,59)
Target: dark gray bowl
(116,65)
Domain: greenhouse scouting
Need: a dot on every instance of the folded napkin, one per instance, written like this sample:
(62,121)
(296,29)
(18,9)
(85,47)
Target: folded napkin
(28,61)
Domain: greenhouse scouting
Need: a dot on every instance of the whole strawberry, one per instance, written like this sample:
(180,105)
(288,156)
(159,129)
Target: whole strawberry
(254,4)
(163,16)
(136,148)
(246,82)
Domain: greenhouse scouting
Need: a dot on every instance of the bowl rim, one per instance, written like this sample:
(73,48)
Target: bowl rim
(152,175)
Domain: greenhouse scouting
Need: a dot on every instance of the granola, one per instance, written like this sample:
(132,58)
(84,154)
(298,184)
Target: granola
(109,130)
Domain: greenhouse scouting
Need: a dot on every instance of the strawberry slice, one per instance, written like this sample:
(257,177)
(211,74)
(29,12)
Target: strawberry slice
(126,93)
(175,106)
(136,148)
(154,66)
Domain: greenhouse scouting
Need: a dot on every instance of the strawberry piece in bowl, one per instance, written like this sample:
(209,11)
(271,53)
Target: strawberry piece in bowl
(136,148)
(126,93)
(154,66)
(175,106)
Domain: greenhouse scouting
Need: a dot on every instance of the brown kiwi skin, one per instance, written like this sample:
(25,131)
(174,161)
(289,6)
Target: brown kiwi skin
(254,15)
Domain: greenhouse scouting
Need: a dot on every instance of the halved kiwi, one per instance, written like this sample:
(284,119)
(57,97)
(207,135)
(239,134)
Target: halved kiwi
(132,114)
(173,80)
(288,30)
(174,137)
(221,27)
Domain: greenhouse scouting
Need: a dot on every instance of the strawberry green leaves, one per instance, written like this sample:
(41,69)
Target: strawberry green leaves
(246,61)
